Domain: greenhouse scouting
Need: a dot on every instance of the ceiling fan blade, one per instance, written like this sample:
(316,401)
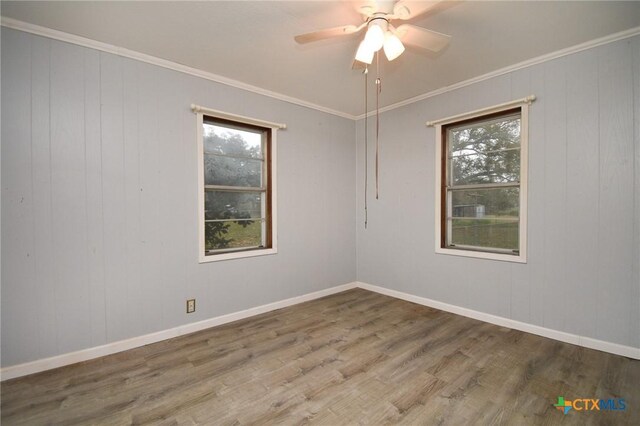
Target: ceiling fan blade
(410,9)
(357,65)
(327,33)
(366,8)
(422,37)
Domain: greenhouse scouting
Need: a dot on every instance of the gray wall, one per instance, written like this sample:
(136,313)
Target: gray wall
(99,232)
(584,200)
(99,200)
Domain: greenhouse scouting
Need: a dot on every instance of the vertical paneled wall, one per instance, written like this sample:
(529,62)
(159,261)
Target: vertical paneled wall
(99,199)
(584,191)
(99,232)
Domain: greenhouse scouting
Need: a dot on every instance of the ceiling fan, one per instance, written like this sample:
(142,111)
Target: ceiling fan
(381,34)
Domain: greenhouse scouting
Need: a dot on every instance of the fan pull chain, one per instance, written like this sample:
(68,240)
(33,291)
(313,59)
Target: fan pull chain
(378,90)
(366,144)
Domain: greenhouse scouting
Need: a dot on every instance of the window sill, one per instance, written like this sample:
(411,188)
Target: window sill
(236,255)
(521,258)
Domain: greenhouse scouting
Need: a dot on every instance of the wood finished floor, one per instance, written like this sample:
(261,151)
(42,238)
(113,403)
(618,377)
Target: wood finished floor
(356,357)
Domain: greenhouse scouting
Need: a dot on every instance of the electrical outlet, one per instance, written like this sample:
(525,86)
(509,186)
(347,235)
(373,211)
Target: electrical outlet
(191,306)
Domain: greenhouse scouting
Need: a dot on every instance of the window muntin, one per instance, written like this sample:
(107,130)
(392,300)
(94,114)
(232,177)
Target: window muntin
(237,186)
(481,182)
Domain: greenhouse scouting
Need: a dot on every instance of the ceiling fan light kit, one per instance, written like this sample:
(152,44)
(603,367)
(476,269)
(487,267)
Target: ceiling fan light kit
(381,34)
(374,38)
(364,53)
(393,47)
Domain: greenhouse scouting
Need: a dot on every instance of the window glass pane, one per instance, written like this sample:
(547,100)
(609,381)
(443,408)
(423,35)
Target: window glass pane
(236,185)
(233,205)
(482,183)
(502,203)
(233,234)
(485,217)
(496,167)
(232,171)
(486,152)
(238,220)
(227,140)
(488,232)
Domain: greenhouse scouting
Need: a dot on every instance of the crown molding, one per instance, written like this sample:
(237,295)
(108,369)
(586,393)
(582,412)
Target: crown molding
(142,57)
(511,68)
(131,54)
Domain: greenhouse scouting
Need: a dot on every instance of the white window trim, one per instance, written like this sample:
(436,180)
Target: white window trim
(200,113)
(521,257)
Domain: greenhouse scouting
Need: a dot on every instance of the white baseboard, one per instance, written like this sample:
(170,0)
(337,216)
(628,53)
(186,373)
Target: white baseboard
(123,345)
(135,342)
(575,339)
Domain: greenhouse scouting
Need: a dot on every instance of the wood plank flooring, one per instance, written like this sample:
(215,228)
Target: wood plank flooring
(356,357)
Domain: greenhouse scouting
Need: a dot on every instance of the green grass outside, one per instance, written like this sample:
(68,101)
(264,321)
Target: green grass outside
(245,236)
(489,232)
(239,236)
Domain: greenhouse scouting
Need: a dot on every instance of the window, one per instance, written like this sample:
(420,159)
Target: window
(481,184)
(237,187)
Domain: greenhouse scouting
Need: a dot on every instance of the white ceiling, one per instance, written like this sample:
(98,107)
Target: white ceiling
(252,41)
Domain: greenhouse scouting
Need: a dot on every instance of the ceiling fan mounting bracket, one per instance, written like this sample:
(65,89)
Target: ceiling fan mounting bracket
(378,17)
